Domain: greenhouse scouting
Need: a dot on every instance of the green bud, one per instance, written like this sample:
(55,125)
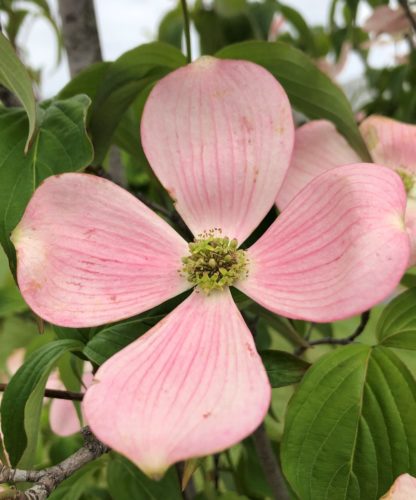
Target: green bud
(212,263)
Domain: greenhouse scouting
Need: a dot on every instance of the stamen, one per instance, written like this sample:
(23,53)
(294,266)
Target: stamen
(214,263)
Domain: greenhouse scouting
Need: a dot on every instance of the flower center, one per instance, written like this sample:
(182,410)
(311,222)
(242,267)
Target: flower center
(408,181)
(214,263)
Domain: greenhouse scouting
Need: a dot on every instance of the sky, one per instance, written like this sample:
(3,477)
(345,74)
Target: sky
(125,24)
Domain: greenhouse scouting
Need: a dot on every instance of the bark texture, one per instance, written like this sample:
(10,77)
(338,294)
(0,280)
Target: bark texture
(48,479)
(79,29)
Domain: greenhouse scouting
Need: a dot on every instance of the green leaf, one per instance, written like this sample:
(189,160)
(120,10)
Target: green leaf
(282,325)
(80,334)
(122,83)
(230,8)
(171,28)
(61,145)
(350,426)
(113,338)
(310,91)
(14,76)
(261,16)
(86,82)
(283,368)
(299,23)
(126,481)
(126,136)
(22,400)
(11,301)
(250,474)
(397,324)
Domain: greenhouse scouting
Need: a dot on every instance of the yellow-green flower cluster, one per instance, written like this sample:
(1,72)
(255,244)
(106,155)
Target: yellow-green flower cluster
(214,263)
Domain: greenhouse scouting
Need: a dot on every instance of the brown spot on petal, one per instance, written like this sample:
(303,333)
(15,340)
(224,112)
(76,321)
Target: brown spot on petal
(256,172)
(246,124)
(172,194)
(250,349)
(89,232)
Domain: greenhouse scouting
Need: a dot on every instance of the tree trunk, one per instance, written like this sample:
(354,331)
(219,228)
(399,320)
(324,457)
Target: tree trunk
(79,29)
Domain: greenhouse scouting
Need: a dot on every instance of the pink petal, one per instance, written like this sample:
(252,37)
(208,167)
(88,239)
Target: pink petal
(219,134)
(410,220)
(89,253)
(391,143)
(384,19)
(192,386)
(339,247)
(404,488)
(63,417)
(318,148)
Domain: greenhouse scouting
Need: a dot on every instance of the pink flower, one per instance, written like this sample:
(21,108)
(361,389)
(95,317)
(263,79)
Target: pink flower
(331,68)
(404,488)
(384,19)
(219,135)
(319,148)
(63,417)
(275,28)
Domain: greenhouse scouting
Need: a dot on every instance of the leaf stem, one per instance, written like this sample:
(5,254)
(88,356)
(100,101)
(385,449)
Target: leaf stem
(409,14)
(185,13)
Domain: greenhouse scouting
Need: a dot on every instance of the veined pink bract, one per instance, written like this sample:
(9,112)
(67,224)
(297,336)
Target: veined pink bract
(319,147)
(218,134)
(404,488)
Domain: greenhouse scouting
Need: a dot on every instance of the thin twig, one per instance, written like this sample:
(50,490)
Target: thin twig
(47,480)
(269,464)
(185,13)
(409,14)
(263,446)
(365,316)
(55,393)
(216,471)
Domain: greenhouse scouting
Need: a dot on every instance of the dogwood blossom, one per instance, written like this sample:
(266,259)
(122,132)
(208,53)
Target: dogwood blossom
(319,147)
(219,135)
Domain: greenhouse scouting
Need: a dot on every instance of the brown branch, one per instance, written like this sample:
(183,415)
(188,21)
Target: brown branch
(48,479)
(55,393)
(264,449)
(269,464)
(409,14)
(365,316)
